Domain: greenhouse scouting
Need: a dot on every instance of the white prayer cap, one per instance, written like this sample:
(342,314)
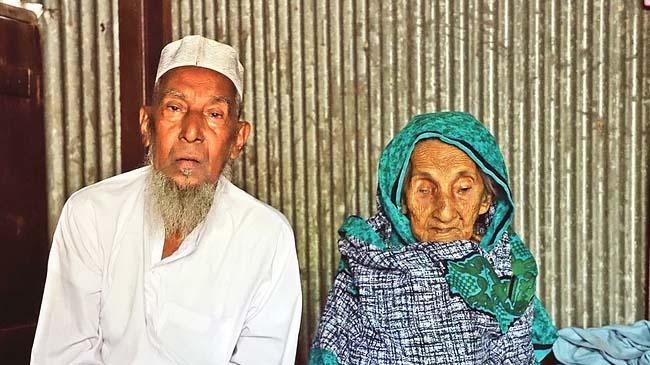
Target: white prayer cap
(195,50)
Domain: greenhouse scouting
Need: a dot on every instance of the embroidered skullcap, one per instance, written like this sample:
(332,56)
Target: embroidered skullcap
(195,50)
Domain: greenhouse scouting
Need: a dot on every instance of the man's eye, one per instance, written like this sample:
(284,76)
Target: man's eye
(215,115)
(174,108)
(465,189)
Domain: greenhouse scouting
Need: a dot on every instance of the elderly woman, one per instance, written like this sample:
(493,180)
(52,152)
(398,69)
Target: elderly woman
(437,275)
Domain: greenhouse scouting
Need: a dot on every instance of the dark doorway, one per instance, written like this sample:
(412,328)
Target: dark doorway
(23,199)
(145,27)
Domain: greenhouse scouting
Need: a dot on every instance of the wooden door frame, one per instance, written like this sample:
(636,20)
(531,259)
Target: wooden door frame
(145,27)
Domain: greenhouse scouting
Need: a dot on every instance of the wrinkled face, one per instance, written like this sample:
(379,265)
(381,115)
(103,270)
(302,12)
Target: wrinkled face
(194,126)
(444,193)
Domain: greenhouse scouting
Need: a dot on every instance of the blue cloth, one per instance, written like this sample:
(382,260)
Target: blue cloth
(614,344)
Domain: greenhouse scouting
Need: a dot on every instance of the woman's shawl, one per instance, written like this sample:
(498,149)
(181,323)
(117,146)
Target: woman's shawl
(398,302)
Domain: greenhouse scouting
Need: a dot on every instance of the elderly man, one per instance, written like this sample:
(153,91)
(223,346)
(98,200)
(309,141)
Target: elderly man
(171,263)
(438,275)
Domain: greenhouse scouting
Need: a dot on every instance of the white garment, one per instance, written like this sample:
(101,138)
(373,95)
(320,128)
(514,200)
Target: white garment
(229,294)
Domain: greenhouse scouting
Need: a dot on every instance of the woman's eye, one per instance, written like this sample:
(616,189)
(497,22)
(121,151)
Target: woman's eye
(424,191)
(465,189)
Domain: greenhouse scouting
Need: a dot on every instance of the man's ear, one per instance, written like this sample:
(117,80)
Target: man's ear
(243,131)
(485,203)
(145,125)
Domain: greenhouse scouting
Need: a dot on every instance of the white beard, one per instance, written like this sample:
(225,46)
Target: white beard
(180,208)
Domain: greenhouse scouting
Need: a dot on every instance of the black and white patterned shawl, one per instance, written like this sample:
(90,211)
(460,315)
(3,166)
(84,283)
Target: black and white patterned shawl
(395,307)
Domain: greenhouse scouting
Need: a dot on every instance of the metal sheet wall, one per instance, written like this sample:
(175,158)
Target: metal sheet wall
(564,85)
(81,93)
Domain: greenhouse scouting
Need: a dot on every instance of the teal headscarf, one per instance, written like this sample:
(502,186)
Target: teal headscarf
(473,277)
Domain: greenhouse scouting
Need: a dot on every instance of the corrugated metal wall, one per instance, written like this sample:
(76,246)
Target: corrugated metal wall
(564,85)
(81,93)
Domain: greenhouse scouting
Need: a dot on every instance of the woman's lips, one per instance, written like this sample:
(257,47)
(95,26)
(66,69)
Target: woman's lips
(442,229)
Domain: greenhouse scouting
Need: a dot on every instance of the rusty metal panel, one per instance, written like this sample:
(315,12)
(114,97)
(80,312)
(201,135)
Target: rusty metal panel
(81,95)
(562,84)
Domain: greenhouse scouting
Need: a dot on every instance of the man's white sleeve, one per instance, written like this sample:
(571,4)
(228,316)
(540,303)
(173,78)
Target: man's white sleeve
(68,324)
(270,333)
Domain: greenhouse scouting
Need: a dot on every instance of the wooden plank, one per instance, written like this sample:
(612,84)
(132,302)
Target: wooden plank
(15,81)
(145,27)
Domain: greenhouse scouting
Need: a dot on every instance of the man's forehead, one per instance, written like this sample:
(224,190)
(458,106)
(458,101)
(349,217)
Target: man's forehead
(173,92)
(177,94)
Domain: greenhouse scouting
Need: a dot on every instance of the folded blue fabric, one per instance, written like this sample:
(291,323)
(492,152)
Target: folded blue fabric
(614,344)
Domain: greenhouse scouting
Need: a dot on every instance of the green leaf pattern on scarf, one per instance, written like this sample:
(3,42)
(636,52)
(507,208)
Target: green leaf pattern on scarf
(475,280)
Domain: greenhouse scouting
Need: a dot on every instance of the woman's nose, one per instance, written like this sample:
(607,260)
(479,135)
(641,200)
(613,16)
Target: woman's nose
(444,211)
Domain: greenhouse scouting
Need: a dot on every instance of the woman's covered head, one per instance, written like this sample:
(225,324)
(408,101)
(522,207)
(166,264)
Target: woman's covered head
(444,193)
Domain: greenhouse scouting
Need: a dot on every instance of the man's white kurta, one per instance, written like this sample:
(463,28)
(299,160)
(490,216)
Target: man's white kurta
(229,294)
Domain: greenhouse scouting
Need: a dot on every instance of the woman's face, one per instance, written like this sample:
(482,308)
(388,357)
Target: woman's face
(444,193)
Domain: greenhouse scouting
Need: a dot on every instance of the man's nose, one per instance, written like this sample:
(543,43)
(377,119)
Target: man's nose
(192,127)
(444,211)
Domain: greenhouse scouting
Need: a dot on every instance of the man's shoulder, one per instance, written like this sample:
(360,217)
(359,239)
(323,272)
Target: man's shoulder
(245,206)
(112,189)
